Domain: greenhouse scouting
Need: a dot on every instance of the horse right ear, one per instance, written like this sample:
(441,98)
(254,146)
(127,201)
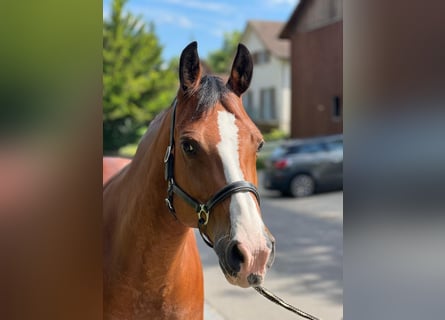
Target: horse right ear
(189,67)
(242,70)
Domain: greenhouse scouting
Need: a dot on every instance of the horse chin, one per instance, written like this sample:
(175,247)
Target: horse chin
(234,274)
(234,279)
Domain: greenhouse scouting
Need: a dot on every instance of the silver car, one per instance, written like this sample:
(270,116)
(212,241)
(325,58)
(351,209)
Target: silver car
(299,168)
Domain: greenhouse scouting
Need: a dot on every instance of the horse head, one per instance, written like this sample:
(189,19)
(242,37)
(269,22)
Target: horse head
(215,146)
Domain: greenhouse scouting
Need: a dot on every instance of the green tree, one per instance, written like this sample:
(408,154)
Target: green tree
(220,60)
(137,84)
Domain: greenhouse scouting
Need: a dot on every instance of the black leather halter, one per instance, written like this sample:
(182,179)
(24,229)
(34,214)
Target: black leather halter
(202,209)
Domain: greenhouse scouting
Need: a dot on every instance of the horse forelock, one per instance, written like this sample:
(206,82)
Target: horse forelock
(211,91)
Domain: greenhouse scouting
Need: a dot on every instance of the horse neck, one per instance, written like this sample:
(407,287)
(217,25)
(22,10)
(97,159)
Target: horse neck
(142,223)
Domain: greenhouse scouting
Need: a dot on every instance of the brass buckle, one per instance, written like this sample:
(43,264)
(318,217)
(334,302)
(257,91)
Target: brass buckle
(203,215)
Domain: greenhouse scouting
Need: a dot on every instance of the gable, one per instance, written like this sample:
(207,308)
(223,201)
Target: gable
(252,41)
(262,35)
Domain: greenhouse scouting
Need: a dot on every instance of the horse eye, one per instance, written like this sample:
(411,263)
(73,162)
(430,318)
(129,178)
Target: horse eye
(260,146)
(188,147)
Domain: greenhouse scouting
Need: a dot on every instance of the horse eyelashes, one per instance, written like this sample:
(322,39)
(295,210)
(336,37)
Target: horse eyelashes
(260,146)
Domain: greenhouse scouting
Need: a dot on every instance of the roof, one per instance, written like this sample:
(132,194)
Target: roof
(289,26)
(268,32)
(303,8)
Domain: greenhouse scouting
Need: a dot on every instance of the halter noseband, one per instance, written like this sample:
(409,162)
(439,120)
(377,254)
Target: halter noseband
(202,209)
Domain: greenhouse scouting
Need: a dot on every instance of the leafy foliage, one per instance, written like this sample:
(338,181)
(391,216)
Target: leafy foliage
(275,134)
(221,60)
(137,84)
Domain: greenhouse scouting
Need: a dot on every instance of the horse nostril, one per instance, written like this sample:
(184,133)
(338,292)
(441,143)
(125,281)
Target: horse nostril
(234,256)
(254,279)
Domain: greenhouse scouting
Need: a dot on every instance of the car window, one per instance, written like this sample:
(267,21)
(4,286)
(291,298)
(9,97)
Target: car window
(293,149)
(307,148)
(311,148)
(336,145)
(278,152)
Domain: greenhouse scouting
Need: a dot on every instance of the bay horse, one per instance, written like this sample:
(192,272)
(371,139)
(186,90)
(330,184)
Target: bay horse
(195,167)
(111,166)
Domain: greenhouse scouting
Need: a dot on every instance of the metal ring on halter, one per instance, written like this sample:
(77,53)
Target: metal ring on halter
(203,215)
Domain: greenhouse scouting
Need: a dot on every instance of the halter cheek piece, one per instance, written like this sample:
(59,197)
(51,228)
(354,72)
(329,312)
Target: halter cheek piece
(202,209)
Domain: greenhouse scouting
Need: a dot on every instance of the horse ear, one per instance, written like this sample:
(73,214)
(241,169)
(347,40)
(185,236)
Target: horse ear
(241,73)
(189,67)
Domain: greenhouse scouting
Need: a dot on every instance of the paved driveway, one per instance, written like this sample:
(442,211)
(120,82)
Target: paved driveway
(307,271)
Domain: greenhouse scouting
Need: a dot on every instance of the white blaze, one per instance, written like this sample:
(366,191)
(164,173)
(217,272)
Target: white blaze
(247,226)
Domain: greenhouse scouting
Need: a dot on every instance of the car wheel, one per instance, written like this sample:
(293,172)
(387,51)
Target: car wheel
(302,185)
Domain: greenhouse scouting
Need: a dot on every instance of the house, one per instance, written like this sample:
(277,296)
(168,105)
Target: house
(315,31)
(268,99)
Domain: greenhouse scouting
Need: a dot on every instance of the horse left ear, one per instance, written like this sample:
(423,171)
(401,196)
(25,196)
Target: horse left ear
(189,67)
(242,70)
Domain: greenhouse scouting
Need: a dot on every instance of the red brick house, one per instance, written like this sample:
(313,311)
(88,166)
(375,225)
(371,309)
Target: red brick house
(315,31)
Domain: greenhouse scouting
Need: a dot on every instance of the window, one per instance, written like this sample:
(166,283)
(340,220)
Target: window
(334,145)
(336,108)
(267,104)
(261,57)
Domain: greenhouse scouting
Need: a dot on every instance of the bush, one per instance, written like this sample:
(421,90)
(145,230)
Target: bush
(128,151)
(275,134)
(273,140)
(260,162)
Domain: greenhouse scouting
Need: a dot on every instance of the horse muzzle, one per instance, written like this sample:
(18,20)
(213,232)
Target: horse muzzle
(245,264)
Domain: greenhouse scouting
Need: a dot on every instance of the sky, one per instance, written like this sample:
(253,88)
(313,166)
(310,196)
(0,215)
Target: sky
(178,22)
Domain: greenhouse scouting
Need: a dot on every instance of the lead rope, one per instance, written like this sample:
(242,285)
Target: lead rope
(272,297)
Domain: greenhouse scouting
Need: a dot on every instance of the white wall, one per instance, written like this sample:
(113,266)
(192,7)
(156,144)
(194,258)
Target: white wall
(274,74)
